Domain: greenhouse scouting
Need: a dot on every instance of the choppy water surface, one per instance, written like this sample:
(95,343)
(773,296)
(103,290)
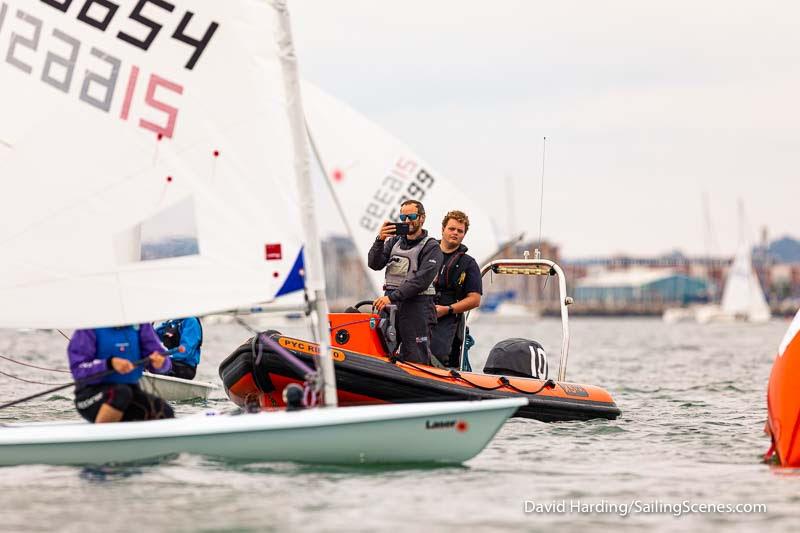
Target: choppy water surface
(691,431)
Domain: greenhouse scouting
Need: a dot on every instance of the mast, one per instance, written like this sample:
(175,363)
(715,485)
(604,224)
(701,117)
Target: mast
(314,278)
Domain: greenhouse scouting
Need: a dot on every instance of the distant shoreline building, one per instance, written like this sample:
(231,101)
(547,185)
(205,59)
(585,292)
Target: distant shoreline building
(644,290)
(615,285)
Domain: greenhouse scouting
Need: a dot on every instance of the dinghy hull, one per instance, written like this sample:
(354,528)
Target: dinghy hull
(450,432)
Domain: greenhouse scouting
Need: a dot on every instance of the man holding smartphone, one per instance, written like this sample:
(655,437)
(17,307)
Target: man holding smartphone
(412,260)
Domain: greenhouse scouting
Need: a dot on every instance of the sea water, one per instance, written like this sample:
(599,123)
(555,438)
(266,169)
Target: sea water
(684,455)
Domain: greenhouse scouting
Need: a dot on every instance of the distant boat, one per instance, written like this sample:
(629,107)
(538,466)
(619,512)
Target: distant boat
(501,304)
(742,298)
(508,310)
(679,314)
(783,400)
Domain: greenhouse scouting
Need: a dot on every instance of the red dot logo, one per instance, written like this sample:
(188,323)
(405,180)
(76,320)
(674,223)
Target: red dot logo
(169,179)
(337,175)
(462,426)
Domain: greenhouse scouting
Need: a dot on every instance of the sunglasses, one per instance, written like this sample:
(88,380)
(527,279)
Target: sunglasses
(412,217)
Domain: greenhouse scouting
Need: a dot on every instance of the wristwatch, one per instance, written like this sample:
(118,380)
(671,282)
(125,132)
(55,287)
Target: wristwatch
(450,310)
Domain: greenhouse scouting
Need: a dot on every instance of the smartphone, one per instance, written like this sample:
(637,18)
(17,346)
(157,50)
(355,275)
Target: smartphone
(400,228)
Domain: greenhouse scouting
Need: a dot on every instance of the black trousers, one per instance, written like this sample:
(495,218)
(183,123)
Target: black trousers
(134,403)
(443,335)
(415,317)
(182,370)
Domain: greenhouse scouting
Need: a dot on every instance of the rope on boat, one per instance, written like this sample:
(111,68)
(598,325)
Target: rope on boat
(76,383)
(340,326)
(31,381)
(33,366)
(64,385)
(12,376)
(504,382)
(311,382)
(549,384)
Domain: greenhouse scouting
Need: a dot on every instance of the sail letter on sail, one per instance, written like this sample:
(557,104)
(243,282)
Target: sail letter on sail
(124,121)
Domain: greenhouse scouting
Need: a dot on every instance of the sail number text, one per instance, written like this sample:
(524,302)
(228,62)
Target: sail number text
(407,180)
(52,55)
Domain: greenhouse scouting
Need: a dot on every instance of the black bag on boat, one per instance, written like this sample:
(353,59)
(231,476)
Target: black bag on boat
(171,337)
(523,358)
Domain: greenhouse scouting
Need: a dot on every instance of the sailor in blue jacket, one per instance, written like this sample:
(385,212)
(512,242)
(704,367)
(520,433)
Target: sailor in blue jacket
(183,338)
(116,396)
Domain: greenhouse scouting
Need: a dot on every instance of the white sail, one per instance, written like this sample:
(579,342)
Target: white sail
(742,295)
(370,173)
(153,126)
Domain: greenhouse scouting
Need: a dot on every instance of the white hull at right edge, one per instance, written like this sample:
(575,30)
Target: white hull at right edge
(444,432)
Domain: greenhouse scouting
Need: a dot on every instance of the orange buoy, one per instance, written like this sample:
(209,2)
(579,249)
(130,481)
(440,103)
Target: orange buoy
(783,399)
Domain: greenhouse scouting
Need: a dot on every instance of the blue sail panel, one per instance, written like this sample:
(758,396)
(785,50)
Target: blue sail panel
(295,280)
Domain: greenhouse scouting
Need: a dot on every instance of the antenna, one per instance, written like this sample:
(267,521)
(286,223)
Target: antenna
(541,194)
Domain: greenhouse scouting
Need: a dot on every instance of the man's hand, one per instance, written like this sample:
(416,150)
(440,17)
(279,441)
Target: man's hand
(156,359)
(380,303)
(121,366)
(387,230)
(442,310)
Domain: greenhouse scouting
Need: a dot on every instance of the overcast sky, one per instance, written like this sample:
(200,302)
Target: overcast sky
(647,106)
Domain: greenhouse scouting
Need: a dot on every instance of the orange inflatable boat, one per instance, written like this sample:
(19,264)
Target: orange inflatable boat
(783,400)
(363,348)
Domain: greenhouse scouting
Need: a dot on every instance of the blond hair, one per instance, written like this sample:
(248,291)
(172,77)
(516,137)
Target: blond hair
(458,216)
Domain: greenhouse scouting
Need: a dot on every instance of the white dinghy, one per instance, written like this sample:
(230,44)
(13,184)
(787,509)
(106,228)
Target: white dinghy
(743,298)
(175,389)
(449,432)
(150,178)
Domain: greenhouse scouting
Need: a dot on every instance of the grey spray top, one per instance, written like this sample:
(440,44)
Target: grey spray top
(403,264)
